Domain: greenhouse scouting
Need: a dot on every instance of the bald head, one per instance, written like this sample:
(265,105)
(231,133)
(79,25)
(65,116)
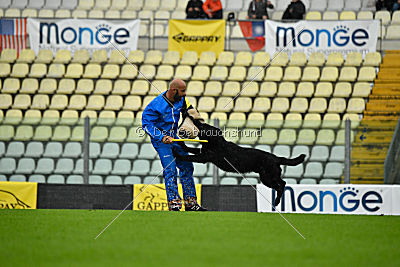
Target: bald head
(176,90)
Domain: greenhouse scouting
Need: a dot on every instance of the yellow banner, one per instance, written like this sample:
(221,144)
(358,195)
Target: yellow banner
(18,195)
(196,35)
(154,196)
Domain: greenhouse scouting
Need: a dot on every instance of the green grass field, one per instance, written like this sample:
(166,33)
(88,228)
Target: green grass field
(66,237)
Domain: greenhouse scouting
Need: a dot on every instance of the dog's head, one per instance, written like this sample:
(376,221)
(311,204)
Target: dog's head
(207,131)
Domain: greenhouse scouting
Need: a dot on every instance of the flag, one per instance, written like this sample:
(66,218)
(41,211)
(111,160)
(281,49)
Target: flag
(13,34)
(254,33)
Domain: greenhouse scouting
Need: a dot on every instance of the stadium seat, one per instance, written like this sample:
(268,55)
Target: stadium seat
(361,89)
(395,18)
(356,105)
(383,16)
(132,102)
(372,59)
(92,71)
(292,73)
(10,86)
(221,116)
(207,58)
(287,137)
(153,57)
(72,150)
(330,15)
(294,171)
(64,166)
(306,137)
(48,86)
(102,87)
(316,59)
(353,59)
(183,72)
(331,120)
(263,104)
(310,74)
(261,59)
(337,105)
(236,119)
(56,70)
(113,102)
(132,180)
(286,89)
(206,104)
(20,70)
(21,101)
(86,86)
(37,178)
(317,105)
(393,32)
(44,166)
(274,73)
(299,104)
(237,73)
(225,58)
(315,15)
(347,14)
(337,154)
(102,167)
(110,71)
(243,59)
(319,153)
(121,87)
(140,167)
(165,72)
(61,133)
(8,55)
(243,104)
(219,73)
(329,74)
(213,88)
(279,104)
(5,69)
(325,137)
(98,57)
(195,88)
(342,89)
(313,170)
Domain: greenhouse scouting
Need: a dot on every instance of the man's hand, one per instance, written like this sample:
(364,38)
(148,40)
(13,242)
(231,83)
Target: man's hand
(190,9)
(167,139)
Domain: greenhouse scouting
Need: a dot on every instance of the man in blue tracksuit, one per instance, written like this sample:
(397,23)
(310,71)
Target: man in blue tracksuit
(160,121)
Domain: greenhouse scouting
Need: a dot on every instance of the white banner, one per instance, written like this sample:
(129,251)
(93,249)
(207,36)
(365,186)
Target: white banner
(322,36)
(76,34)
(332,199)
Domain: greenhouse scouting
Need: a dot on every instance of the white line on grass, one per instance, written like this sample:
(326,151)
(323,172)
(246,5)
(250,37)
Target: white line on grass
(264,68)
(116,217)
(266,200)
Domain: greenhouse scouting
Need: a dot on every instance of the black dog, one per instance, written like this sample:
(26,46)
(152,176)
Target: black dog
(233,158)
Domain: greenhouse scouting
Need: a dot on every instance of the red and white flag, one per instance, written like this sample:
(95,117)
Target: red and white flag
(13,34)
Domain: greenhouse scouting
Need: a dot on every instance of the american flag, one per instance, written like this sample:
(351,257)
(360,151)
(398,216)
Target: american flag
(13,34)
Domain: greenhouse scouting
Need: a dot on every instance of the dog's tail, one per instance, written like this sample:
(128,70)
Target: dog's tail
(291,162)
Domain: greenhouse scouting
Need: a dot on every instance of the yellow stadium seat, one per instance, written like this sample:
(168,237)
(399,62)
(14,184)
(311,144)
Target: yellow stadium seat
(13,117)
(316,59)
(268,137)
(102,4)
(237,73)
(330,15)
(44,56)
(274,73)
(52,117)
(243,104)
(383,16)
(236,119)
(128,71)
(153,57)
(147,72)
(183,72)
(231,88)
(129,14)
(157,87)
(280,59)
(38,70)
(224,104)
(189,58)
(323,89)
(298,59)
(305,89)
(92,70)
(361,89)
(249,89)
(337,105)
(342,89)
(62,56)
(76,102)
(32,116)
(40,102)
(310,74)
(286,89)
(22,101)
(170,5)
(206,104)
(136,57)
(340,137)
(353,59)
(8,55)
(99,56)
(74,70)
(171,58)
(255,73)
(225,58)
(207,58)
(132,102)
(348,74)
(106,118)
(102,87)
(331,121)
(335,59)
(292,73)
(219,73)
(81,56)
(313,15)
(356,105)
(255,120)
(317,105)
(5,69)
(10,86)
(306,137)
(299,105)
(274,120)
(56,70)
(280,104)
(112,14)
(195,88)
(329,74)
(113,102)
(365,15)
(60,102)
(95,102)
(110,71)
(287,137)
(347,15)
(325,137)
(5,101)
(29,86)
(151,5)
(68,117)
(48,86)
(395,18)
(201,73)
(354,119)
(125,118)
(268,89)
(140,87)
(20,70)
(261,59)
(312,120)
(121,87)
(85,4)
(134,4)
(221,116)
(243,59)
(117,57)
(366,74)
(85,86)
(393,32)
(192,100)
(261,104)
(372,59)
(213,88)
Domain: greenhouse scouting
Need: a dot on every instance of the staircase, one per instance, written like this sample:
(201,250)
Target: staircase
(375,131)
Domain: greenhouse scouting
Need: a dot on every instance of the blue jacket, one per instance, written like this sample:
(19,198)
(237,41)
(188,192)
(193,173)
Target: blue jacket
(160,118)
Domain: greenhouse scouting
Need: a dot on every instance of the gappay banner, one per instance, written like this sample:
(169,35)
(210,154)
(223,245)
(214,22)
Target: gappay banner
(332,199)
(321,36)
(154,196)
(18,195)
(196,35)
(76,34)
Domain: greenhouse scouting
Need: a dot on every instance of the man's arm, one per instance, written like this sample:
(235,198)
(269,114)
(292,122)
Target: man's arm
(149,119)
